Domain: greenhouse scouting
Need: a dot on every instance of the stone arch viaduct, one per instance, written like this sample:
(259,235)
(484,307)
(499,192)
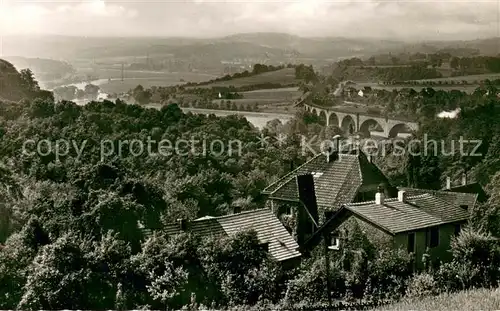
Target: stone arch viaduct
(362,122)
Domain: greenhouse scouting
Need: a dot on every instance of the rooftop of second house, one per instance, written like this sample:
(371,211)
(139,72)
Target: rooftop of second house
(336,181)
(268,227)
(415,212)
(457,198)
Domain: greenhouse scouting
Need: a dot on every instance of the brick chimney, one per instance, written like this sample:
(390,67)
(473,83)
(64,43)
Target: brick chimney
(236,209)
(402,195)
(307,214)
(182,224)
(333,151)
(380,196)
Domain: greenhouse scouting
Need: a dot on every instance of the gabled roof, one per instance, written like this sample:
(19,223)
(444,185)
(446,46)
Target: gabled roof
(417,212)
(472,188)
(336,182)
(269,229)
(456,198)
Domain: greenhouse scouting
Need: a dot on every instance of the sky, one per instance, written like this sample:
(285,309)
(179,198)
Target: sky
(412,19)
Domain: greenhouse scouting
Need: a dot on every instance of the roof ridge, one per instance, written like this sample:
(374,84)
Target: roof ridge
(254,211)
(389,200)
(420,196)
(444,191)
(289,174)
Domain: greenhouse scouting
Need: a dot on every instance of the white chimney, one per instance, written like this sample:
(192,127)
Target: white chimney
(379,198)
(402,196)
(448,183)
(464,179)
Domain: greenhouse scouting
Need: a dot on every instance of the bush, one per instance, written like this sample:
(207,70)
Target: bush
(478,250)
(422,285)
(455,276)
(388,274)
(309,287)
(476,258)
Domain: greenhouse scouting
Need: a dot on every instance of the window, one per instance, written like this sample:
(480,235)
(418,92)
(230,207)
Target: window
(288,210)
(265,247)
(457,229)
(334,242)
(433,237)
(411,242)
(465,207)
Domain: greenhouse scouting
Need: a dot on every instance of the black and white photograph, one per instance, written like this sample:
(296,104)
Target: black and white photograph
(250,155)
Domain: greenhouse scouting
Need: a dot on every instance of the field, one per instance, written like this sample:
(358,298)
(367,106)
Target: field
(471,78)
(480,299)
(118,86)
(271,100)
(444,87)
(283,76)
(290,93)
(418,88)
(132,78)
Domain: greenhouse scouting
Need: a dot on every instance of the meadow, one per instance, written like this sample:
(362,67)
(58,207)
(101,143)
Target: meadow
(472,79)
(289,93)
(469,78)
(478,299)
(418,88)
(283,76)
(270,100)
(132,78)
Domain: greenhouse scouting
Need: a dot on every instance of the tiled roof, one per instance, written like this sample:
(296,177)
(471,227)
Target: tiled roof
(416,212)
(473,188)
(336,182)
(269,229)
(456,198)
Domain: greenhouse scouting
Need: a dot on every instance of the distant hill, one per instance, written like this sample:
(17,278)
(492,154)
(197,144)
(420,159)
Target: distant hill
(249,47)
(14,86)
(10,82)
(44,69)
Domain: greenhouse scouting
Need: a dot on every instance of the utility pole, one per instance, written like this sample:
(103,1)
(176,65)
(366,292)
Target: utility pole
(327,269)
(122,71)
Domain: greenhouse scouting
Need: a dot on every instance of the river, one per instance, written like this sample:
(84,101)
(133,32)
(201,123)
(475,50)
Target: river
(258,119)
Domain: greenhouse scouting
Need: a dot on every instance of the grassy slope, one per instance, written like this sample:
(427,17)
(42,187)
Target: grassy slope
(480,299)
(491,76)
(148,79)
(283,76)
(144,78)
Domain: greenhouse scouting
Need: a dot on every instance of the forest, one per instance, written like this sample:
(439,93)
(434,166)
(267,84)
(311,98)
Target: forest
(82,232)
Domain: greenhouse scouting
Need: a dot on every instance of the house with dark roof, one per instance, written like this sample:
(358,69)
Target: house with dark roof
(337,179)
(464,200)
(467,187)
(415,223)
(270,231)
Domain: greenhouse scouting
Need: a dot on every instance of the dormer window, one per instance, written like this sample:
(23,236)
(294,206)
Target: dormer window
(334,243)
(316,174)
